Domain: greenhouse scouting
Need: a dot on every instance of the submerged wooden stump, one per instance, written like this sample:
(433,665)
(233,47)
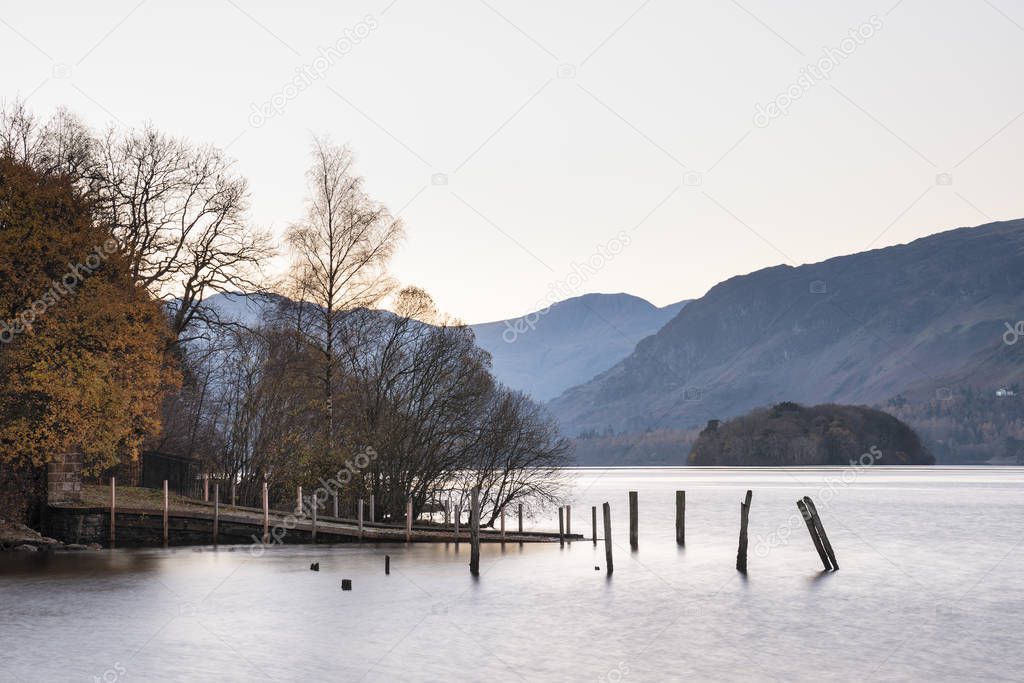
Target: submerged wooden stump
(813,531)
(681,517)
(820,528)
(607,510)
(741,554)
(634,525)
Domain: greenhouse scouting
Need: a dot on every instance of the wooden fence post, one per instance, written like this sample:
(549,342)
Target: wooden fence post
(408,520)
(113,509)
(266,514)
(607,510)
(681,517)
(561,526)
(634,525)
(167,505)
(741,553)
(593,523)
(216,514)
(474,532)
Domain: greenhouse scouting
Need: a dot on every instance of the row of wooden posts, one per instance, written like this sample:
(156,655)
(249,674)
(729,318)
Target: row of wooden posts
(808,512)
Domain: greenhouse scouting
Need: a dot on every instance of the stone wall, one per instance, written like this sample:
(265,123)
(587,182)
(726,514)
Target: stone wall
(64,479)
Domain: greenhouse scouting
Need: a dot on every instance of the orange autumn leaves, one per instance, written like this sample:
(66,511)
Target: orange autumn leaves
(84,361)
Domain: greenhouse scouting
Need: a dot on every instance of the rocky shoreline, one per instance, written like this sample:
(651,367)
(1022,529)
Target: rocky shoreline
(16,537)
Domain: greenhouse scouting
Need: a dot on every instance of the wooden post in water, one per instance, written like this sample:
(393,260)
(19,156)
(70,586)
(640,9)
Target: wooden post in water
(216,514)
(266,514)
(634,525)
(561,526)
(502,525)
(167,506)
(387,564)
(593,523)
(681,517)
(408,520)
(520,518)
(334,505)
(821,532)
(741,554)
(474,532)
(607,510)
(458,518)
(360,519)
(568,520)
(373,516)
(113,509)
(809,521)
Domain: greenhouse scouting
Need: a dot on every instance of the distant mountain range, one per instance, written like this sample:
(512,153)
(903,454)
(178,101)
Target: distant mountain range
(921,320)
(546,352)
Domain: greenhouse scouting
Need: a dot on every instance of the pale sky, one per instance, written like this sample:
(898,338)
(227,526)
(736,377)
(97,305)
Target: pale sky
(560,125)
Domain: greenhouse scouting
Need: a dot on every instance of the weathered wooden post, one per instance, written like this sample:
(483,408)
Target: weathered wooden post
(520,518)
(408,520)
(234,499)
(216,514)
(334,504)
(681,517)
(561,526)
(607,510)
(634,525)
(474,532)
(360,519)
(568,520)
(820,528)
(113,509)
(373,514)
(502,525)
(458,519)
(387,564)
(741,554)
(809,521)
(167,506)
(298,500)
(206,488)
(593,523)
(266,514)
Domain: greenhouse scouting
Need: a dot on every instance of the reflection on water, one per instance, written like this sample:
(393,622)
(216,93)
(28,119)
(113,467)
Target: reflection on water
(928,589)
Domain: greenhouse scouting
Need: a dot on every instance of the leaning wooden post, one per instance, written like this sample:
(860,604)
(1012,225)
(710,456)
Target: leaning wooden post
(113,509)
(561,526)
(607,510)
(634,526)
(820,528)
(741,554)
(167,505)
(593,523)
(360,519)
(809,521)
(520,518)
(266,514)
(681,517)
(474,532)
(216,514)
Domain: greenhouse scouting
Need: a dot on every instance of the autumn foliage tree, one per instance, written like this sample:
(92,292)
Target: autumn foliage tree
(83,365)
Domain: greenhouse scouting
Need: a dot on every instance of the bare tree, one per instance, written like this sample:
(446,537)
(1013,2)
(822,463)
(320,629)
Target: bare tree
(341,250)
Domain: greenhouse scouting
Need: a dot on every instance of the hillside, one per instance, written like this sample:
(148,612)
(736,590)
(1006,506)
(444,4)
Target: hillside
(915,320)
(546,352)
(788,434)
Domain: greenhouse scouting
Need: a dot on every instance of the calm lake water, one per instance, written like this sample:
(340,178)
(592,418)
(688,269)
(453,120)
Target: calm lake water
(931,588)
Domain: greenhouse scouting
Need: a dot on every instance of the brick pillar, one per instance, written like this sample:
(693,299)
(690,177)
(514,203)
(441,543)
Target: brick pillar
(64,479)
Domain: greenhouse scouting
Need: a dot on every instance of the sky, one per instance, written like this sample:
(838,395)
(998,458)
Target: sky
(539,150)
